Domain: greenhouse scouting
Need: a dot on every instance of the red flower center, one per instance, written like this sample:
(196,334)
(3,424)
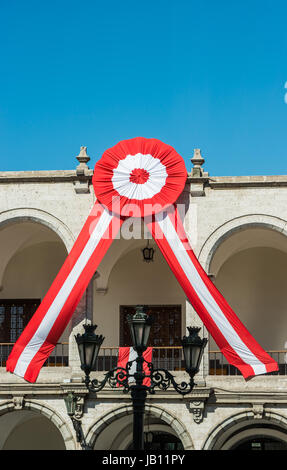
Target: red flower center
(139,176)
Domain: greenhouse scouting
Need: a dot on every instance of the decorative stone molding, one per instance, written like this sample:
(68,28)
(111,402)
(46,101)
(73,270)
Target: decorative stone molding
(258,410)
(197,409)
(101,290)
(79,409)
(18,402)
(197,404)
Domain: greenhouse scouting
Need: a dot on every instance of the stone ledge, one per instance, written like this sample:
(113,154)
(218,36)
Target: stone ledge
(42,176)
(213,182)
(222,182)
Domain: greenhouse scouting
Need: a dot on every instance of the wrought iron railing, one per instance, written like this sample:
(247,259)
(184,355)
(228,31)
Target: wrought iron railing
(165,357)
(218,365)
(58,357)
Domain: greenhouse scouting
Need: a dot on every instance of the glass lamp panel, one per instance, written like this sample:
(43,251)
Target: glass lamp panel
(186,353)
(195,356)
(146,253)
(95,356)
(146,334)
(90,347)
(139,330)
(81,348)
(191,355)
(132,333)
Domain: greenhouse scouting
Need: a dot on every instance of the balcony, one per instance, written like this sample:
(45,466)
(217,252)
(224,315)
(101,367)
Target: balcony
(218,365)
(58,358)
(165,357)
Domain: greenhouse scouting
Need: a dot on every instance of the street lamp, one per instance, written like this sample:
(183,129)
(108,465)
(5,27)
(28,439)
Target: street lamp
(148,253)
(140,324)
(193,347)
(89,346)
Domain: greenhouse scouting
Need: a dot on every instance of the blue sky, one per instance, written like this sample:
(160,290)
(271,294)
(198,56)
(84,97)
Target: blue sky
(195,74)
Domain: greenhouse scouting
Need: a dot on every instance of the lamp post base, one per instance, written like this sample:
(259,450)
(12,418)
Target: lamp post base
(138,394)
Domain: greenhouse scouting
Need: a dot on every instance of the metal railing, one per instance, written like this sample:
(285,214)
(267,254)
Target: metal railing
(218,365)
(163,357)
(58,357)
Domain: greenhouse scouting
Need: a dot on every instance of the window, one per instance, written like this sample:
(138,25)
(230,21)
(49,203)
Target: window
(165,331)
(14,316)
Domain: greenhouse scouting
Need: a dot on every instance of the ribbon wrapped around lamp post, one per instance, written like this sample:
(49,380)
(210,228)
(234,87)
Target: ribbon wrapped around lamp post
(136,178)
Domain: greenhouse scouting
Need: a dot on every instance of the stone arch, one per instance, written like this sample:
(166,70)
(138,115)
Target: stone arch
(233,424)
(41,217)
(150,410)
(20,403)
(233,226)
(37,217)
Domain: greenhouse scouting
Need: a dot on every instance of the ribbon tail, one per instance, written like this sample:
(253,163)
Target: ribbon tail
(48,323)
(235,342)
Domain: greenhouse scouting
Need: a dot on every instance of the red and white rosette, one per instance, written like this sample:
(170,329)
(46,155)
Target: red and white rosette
(145,173)
(137,177)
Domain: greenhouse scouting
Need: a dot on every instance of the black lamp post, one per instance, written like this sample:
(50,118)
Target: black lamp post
(140,324)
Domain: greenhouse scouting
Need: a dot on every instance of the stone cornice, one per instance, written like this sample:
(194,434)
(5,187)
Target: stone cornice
(213,182)
(223,182)
(37,389)
(42,176)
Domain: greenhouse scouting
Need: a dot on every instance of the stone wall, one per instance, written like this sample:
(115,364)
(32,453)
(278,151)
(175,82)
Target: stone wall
(217,209)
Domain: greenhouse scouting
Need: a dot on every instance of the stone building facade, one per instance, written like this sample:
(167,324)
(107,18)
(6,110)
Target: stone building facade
(238,229)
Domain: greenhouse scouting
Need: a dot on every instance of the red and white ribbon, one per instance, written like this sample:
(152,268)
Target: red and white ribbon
(235,342)
(128,354)
(140,178)
(48,323)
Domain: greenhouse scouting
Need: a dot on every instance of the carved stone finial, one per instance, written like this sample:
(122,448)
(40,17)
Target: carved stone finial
(82,183)
(197,160)
(83,159)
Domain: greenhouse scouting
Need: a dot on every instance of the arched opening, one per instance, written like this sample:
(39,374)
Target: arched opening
(118,434)
(29,430)
(160,440)
(260,443)
(250,271)
(242,434)
(31,256)
(132,282)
